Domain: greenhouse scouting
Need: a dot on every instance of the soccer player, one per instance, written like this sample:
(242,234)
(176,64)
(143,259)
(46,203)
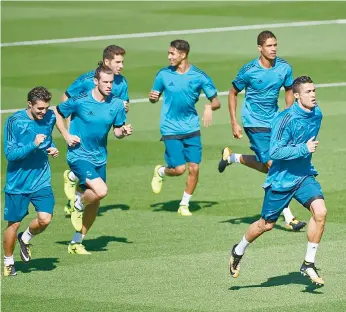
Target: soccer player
(262,79)
(92,115)
(292,175)
(27,143)
(113,57)
(181,84)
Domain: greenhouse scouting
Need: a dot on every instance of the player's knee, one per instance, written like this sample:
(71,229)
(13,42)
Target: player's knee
(320,215)
(265,226)
(102,192)
(45,219)
(180,170)
(269,226)
(14,225)
(194,169)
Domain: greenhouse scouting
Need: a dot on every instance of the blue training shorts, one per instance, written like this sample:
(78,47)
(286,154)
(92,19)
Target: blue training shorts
(86,170)
(17,205)
(180,151)
(259,142)
(305,193)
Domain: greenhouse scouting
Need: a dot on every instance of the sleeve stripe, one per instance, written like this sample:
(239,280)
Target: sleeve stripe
(235,87)
(197,70)
(119,126)
(59,111)
(283,124)
(213,96)
(10,128)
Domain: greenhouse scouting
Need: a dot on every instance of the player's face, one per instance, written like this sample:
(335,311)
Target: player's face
(175,57)
(268,49)
(105,83)
(307,95)
(38,109)
(116,64)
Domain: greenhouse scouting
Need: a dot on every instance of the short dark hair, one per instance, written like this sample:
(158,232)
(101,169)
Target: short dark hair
(39,94)
(299,81)
(102,69)
(181,45)
(263,36)
(112,50)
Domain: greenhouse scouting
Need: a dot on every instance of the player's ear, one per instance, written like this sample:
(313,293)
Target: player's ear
(259,47)
(296,95)
(29,104)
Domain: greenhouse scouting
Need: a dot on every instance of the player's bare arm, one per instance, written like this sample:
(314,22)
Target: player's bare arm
(232,106)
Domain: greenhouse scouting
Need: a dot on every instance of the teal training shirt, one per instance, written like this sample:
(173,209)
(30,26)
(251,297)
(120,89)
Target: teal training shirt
(291,159)
(28,168)
(91,121)
(181,93)
(262,88)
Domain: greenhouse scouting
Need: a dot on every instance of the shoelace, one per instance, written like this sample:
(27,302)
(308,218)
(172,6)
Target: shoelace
(236,260)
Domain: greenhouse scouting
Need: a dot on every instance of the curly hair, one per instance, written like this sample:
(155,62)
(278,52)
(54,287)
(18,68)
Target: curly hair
(39,94)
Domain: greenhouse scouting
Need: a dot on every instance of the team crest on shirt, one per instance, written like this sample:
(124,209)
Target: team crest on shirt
(25,129)
(112,112)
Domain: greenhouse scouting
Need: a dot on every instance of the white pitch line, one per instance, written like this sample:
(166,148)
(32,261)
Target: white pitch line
(174,32)
(145,100)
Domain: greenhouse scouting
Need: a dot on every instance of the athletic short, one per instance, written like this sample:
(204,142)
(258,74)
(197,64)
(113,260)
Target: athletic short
(17,205)
(259,142)
(180,151)
(305,193)
(86,170)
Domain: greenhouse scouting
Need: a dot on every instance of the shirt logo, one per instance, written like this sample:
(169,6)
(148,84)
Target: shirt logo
(171,84)
(90,113)
(88,174)
(259,81)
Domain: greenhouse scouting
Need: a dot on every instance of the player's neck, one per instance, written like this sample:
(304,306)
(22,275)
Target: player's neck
(264,62)
(183,67)
(97,95)
(304,108)
(28,112)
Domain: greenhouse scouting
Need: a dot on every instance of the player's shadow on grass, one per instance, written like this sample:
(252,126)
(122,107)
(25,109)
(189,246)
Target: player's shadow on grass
(173,205)
(41,264)
(104,209)
(99,243)
(252,219)
(282,280)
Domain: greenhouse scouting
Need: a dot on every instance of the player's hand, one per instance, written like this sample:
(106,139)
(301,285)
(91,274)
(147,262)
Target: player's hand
(72,140)
(127,106)
(237,131)
(312,145)
(154,96)
(53,151)
(207,115)
(39,139)
(127,130)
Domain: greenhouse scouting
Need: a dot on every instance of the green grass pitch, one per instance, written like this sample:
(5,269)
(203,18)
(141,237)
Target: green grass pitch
(145,257)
